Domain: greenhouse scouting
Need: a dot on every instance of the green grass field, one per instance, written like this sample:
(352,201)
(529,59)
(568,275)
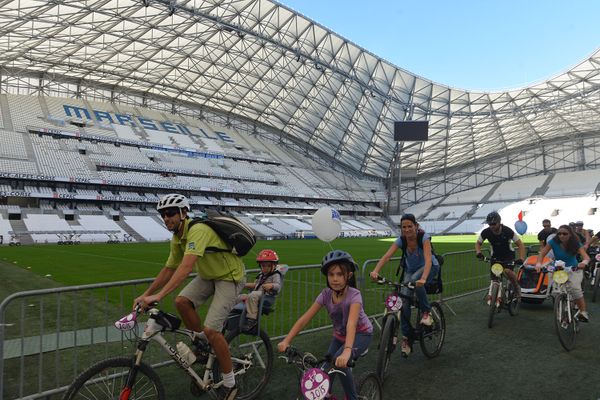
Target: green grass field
(93,263)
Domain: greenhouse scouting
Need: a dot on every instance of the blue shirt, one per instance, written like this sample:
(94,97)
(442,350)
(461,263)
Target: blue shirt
(561,254)
(416,260)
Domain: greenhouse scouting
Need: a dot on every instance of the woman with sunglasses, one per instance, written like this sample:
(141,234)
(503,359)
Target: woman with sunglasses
(566,246)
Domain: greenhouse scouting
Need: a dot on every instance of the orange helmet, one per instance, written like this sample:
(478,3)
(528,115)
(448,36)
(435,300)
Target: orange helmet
(267,255)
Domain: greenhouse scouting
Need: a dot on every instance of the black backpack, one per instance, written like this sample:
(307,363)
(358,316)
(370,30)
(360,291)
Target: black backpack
(234,232)
(436,285)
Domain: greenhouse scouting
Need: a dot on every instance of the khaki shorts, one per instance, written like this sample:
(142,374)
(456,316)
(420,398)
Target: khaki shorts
(574,284)
(224,294)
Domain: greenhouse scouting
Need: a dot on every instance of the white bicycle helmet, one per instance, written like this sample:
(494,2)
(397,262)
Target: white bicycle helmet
(173,200)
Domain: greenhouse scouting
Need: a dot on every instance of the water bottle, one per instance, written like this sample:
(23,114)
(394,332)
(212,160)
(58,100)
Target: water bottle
(186,353)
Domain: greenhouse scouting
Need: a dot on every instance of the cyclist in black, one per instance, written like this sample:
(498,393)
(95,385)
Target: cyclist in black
(500,238)
(544,233)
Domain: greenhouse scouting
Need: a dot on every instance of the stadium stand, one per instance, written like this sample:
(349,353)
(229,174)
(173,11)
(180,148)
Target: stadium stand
(25,111)
(5,227)
(517,189)
(12,145)
(148,227)
(573,183)
(470,196)
(46,222)
(234,175)
(447,212)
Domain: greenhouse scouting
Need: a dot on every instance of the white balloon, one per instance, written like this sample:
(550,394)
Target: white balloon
(326,224)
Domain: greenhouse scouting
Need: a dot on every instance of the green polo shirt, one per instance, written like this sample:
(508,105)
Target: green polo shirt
(222,266)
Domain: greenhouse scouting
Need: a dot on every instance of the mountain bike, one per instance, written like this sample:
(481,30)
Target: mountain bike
(566,319)
(501,292)
(128,378)
(315,379)
(431,338)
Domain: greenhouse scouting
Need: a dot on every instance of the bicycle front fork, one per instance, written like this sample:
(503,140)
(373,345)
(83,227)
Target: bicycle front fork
(499,292)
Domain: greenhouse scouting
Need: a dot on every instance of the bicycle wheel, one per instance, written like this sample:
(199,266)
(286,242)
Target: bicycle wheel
(493,309)
(108,379)
(565,324)
(252,357)
(369,387)
(432,337)
(514,302)
(386,346)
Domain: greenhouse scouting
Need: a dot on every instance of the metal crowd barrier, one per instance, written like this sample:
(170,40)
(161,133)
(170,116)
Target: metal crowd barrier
(49,336)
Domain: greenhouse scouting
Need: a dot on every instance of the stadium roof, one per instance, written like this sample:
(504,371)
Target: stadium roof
(262,61)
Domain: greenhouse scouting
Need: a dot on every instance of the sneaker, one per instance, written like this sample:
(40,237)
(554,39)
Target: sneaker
(229,393)
(583,316)
(426,320)
(405,347)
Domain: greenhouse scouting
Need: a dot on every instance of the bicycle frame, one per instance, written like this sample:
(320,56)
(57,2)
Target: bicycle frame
(154,331)
(425,334)
(562,289)
(499,278)
(394,303)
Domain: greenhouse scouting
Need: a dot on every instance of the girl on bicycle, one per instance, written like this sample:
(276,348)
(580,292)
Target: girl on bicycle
(566,246)
(352,330)
(420,267)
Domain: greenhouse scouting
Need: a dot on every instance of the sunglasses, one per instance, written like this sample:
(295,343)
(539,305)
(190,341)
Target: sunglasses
(563,234)
(169,213)
(493,224)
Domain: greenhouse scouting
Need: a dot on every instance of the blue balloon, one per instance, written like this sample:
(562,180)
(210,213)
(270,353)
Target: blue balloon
(521,227)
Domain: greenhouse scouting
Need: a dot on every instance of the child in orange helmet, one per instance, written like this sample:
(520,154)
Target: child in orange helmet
(267,283)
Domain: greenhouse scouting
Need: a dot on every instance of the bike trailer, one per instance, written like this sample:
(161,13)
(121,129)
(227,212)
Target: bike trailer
(534,285)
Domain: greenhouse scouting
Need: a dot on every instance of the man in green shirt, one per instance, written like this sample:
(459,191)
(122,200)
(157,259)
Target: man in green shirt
(220,275)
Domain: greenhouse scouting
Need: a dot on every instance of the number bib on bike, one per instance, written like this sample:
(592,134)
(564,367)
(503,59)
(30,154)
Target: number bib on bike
(315,384)
(393,303)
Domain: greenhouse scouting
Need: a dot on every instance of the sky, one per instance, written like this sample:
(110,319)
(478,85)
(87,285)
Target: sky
(486,45)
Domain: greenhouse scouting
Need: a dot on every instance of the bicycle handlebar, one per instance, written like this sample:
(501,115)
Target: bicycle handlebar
(551,268)
(383,281)
(292,353)
(505,264)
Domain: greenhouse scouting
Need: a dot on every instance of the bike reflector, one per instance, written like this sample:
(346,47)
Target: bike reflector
(315,384)
(497,269)
(393,303)
(560,277)
(127,322)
